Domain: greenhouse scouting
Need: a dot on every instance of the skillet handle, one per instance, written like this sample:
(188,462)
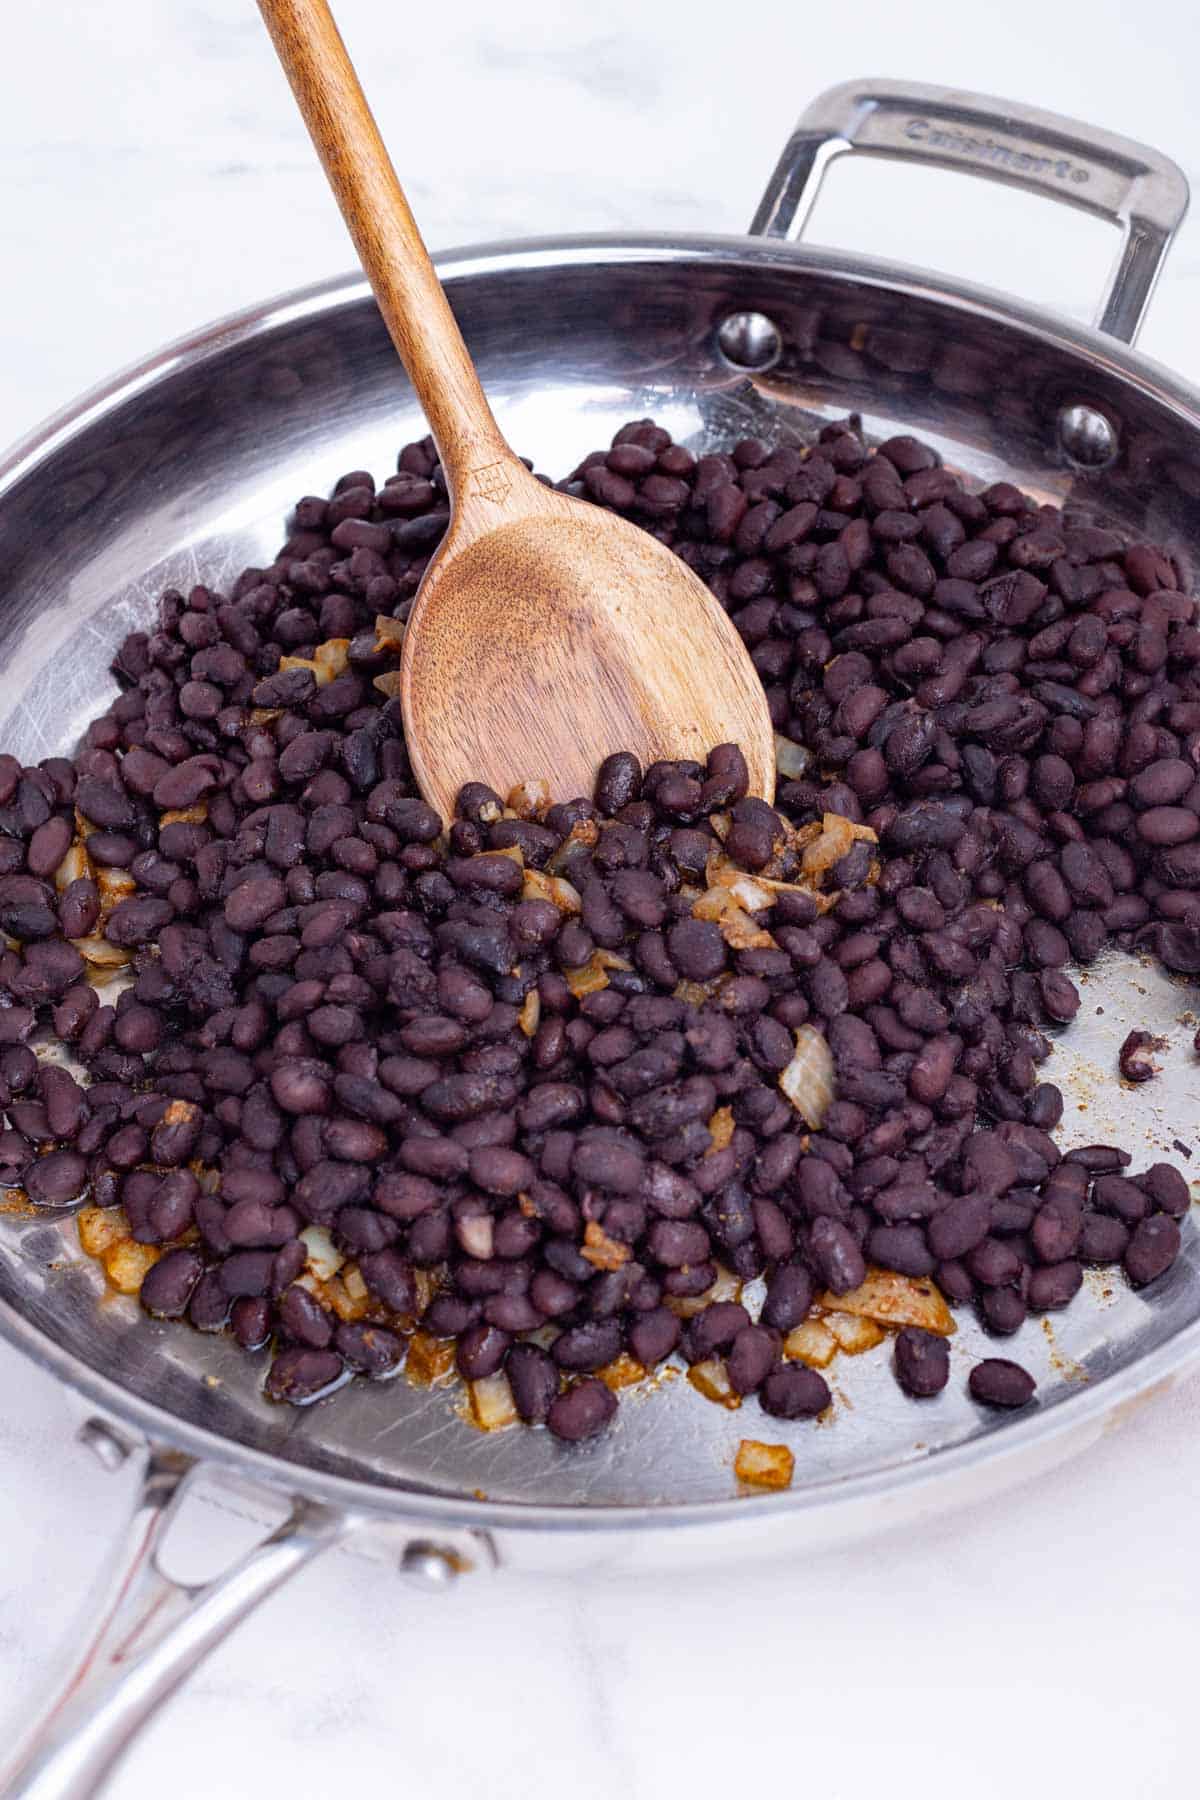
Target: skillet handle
(144,1633)
(1137,189)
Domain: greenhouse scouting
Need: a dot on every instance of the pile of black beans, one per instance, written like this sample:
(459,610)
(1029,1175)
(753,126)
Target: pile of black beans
(330,1005)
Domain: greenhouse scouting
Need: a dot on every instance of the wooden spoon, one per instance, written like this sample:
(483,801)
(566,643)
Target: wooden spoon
(546,633)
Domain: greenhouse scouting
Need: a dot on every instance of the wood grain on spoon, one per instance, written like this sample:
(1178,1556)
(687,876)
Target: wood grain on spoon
(546,633)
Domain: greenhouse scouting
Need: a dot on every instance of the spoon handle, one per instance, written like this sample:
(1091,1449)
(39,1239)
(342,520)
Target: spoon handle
(411,298)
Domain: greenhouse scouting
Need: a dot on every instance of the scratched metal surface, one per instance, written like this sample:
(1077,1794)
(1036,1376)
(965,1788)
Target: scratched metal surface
(188,476)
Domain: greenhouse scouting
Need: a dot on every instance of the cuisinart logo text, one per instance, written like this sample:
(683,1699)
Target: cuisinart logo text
(1021,162)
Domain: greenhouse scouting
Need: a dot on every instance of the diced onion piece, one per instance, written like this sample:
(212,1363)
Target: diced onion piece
(195,814)
(530,1015)
(353,1282)
(808,1079)
(764,1465)
(127,1262)
(513,852)
(741,933)
(854,1333)
(722,824)
(75,866)
(426,1285)
(792,760)
(892,1299)
(491,1400)
(559,892)
(755,892)
(592,975)
(429,1359)
(477,1235)
(324,1258)
(727,902)
(348,1307)
(329,660)
(751,894)
(530,799)
(623,1372)
(100,953)
(115,885)
(697,993)
(388,683)
(602,1251)
(726,1287)
(711,903)
(812,1343)
(332,659)
(100,1227)
(584,832)
(712,1380)
(836,837)
(389,633)
(720,1129)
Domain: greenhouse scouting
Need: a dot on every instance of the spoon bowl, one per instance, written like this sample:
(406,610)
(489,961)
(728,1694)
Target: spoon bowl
(541,642)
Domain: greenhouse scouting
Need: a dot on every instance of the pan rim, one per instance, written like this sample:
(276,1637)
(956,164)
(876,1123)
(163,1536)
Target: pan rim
(1003,1444)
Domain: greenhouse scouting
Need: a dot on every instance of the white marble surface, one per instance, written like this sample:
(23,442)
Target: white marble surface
(154,177)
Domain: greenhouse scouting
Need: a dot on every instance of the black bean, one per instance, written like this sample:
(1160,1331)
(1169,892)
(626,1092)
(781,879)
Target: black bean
(678,1243)
(300,1375)
(998,1382)
(208,1308)
(1055,1285)
(618,782)
(1152,1249)
(1057,1228)
(57,1179)
(250,1321)
(1167,1189)
(1135,1058)
(751,1357)
(1099,1159)
(585,1348)
(1102,1239)
(713,1329)
(369,1349)
(900,1247)
(654,1335)
(697,949)
(993,1263)
(168,1285)
(1003,1310)
(1124,1199)
(246,1272)
(584,1411)
(922,1362)
(835,1252)
(792,1391)
(534,1381)
(481,1351)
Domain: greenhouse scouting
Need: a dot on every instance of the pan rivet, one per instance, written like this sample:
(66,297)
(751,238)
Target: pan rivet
(429,1564)
(749,340)
(1088,436)
(105,1442)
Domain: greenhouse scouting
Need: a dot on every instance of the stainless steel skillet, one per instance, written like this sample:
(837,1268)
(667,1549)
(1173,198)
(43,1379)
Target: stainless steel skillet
(183,469)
